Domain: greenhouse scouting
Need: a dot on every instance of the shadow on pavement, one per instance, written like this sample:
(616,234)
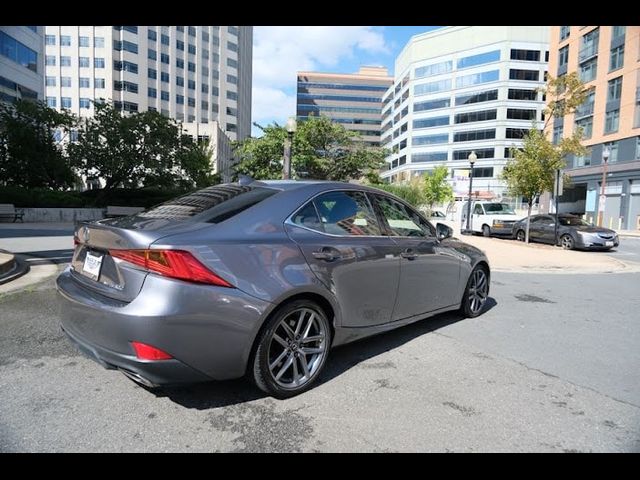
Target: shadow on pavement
(221,394)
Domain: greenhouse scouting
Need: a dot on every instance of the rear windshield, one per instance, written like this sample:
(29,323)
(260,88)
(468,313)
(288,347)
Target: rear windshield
(216,204)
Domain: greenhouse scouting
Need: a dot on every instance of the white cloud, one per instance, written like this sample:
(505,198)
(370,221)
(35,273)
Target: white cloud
(280,52)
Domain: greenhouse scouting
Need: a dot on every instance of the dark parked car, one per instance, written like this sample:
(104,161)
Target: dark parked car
(573,232)
(262,279)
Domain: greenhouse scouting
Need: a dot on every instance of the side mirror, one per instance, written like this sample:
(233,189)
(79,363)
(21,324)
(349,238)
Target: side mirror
(443,231)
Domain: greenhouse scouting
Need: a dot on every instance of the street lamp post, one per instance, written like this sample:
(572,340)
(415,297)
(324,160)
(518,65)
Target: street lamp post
(605,156)
(472,159)
(286,165)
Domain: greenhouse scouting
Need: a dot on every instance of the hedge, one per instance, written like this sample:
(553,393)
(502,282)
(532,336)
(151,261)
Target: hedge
(43,198)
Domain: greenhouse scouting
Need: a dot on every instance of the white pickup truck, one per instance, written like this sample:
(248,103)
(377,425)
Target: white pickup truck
(490,218)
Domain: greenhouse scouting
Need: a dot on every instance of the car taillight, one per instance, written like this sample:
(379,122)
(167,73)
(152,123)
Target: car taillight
(171,263)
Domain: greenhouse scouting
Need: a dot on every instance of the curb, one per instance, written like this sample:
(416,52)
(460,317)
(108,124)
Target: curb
(20,268)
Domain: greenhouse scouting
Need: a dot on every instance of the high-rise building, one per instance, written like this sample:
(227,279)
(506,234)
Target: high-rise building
(607,59)
(353,100)
(21,63)
(464,89)
(199,75)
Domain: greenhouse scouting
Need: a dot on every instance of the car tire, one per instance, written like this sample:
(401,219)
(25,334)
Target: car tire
(486,231)
(474,299)
(282,342)
(567,242)
(521,235)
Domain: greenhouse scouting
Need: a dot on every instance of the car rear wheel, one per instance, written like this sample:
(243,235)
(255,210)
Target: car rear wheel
(521,235)
(486,231)
(476,292)
(566,242)
(292,349)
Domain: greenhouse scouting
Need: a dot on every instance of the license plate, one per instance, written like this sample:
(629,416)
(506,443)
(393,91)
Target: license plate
(608,244)
(92,264)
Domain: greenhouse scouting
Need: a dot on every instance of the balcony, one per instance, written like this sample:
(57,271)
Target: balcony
(584,110)
(588,52)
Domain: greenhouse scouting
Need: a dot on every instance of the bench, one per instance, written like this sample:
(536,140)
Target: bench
(115,211)
(7,210)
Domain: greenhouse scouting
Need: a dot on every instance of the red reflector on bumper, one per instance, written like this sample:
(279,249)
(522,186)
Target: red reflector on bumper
(147,352)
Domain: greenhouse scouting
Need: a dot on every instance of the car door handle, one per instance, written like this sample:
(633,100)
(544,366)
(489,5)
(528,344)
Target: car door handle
(327,254)
(409,254)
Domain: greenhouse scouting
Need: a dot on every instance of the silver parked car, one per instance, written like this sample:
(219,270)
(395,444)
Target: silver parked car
(260,279)
(573,232)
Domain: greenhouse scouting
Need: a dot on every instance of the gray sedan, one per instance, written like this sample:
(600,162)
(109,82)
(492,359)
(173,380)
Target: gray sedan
(260,279)
(573,232)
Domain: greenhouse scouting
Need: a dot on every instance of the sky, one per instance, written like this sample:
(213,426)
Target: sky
(280,52)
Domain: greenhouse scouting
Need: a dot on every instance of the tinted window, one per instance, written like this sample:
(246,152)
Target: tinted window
(308,217)
(346,213)
(217,203)
(402,221)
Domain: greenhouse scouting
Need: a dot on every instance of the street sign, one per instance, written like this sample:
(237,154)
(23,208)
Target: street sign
(603,199)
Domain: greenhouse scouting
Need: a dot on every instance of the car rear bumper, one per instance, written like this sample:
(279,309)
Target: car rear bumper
(208,330)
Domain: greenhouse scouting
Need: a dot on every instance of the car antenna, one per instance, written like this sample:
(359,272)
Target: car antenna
(245,179)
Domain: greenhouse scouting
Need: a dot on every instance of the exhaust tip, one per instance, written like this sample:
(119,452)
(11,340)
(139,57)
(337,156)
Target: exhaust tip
(136,377)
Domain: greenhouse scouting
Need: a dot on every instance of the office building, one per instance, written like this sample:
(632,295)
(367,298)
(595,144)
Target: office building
(461,89)
(199,75)
(21,63)
(607,59)
(353,100)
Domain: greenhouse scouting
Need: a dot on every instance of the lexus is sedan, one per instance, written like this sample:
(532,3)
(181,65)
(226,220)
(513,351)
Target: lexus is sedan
(573,232)
(259,278)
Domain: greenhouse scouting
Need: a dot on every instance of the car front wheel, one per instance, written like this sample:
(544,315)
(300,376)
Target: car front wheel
(566,242)
(521,235)
(292,349)
(486,230)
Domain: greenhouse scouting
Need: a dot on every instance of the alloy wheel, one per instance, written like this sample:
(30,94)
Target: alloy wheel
(478,290)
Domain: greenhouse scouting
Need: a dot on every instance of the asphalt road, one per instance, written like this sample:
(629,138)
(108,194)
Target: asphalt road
(553,366)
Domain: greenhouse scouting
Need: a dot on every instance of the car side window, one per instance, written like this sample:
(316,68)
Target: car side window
(536,220)
(478,210)
(347,213)
(402,221)
(307,217)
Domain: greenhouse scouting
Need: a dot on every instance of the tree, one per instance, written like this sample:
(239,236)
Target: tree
(411,193)
(436,189)
(29,155)
(532,170)
(321,150)
(138,149)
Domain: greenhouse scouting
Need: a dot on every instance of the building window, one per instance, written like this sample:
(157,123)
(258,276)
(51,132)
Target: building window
(583,160)
(204,105)
(152,92)
(480,153)
(431,122)
(98,82)
(125,86)
(525,55)
(120,45)
(85,82)
(164,95)
(152,54)
(152,73)
(432,105)
(180,81)
(564,32)
(558,131)
(180,45)
(614,91)
(429,157)
(528,75)
(191,66)
(191,102)
(164,39)
(180,63)
(65,61)
(191,84)
(231,127)
(65,40)
(50,40)
(50,81)
(204,88)
(180,99)
(588,70)
(616,60)
(232,46)
(589,45)
(205,36)
(232,63)
(516,133)
(127,28)
(232,79)
(152,35)
(473,135)
(180,28)
(435,69)
(477,78)
(65,102)
(50,60)
(613,151)
(164,58)
(479,59)
(18,52)
(204,70)
(232,95)
(98,62)
(98,42)
(84,42)
(617,32)
(430,139)
(476,97)
(477,116)
(432,87)
(611,121)
(563,58)
(521,94)
(521,114)
(85,103)
(587,127)
(192,31)
(191,49)
(233,30)
(164,77)
(65,81)
(215,92)
(205,54)
(84,62)
(51,102)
